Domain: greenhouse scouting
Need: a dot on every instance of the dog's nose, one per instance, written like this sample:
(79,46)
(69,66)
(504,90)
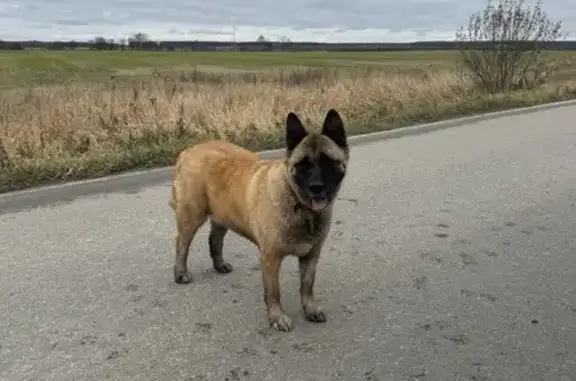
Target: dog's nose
(316,189)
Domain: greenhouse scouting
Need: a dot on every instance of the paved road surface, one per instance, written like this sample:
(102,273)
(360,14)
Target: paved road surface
(453,257)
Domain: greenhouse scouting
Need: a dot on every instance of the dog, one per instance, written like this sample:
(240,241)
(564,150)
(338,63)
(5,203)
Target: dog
(283,206)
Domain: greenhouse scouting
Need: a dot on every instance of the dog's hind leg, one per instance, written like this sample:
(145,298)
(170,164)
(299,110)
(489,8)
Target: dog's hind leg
(216,243)
(189,219)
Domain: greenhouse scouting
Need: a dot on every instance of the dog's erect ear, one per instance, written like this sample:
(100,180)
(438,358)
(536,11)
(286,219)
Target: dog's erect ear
(295,131)
(334,128)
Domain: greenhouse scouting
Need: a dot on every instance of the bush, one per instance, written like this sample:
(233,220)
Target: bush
(502,45)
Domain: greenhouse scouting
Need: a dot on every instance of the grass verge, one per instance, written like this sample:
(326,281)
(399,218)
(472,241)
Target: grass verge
(86,129)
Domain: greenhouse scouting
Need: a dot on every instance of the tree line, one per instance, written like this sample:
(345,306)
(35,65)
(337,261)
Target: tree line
(103,44)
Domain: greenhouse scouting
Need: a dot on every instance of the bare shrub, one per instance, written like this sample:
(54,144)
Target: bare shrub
(502,45)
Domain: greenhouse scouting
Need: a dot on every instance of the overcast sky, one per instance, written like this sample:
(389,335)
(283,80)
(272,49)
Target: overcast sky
(311,20)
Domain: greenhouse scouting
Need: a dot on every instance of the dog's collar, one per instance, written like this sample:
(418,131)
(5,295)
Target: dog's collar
(313,218)
(298,206)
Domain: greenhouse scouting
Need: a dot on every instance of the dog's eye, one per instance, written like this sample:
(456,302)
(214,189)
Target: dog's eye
(325,159)
(303,164)
(329,162)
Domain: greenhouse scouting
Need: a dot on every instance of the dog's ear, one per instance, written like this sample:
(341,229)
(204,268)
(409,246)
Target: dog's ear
(295,131)
(334,128)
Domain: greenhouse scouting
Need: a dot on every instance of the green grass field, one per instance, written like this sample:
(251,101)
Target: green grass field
(103,60)
(44,67)
(112,60)
(34,67)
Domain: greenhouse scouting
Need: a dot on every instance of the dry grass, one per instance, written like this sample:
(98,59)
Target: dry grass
(86,128)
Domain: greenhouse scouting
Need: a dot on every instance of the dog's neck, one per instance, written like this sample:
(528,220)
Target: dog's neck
(299,207)
(313,218)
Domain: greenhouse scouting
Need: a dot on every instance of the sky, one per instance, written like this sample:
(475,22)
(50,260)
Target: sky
(299,20)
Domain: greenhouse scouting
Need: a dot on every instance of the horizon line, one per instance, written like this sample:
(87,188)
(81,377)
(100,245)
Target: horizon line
(256,41)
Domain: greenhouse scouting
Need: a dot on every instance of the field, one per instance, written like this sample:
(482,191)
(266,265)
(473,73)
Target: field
(77,114)
(44,67)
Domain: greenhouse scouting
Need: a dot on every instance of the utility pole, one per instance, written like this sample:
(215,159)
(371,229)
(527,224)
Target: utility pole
(234,37)
(233,20)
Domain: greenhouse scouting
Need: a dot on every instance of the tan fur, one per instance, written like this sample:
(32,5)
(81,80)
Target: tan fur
(238,191)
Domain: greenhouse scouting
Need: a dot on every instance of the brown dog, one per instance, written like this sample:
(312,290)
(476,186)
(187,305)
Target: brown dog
(283,206)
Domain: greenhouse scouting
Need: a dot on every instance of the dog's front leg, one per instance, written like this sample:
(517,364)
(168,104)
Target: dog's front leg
(307,267)
(271,260)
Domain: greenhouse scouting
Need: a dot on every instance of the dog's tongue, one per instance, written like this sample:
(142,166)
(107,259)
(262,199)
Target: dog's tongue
(319,205)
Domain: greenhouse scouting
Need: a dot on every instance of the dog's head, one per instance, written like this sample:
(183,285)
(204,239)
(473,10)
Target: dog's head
(316,161)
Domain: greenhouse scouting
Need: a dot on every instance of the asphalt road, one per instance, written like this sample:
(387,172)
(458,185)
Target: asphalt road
(452,257)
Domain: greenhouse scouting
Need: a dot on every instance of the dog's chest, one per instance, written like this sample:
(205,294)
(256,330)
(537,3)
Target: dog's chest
(303,234)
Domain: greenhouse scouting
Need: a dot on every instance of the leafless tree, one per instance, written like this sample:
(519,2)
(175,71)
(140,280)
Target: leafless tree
(140,37)
(502,45)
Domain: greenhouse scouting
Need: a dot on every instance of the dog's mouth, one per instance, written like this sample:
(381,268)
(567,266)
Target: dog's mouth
(319,204)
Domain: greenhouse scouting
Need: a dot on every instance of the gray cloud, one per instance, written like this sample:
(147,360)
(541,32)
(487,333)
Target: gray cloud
(421,17)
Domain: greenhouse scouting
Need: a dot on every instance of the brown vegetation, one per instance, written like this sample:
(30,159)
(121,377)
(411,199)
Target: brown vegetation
(87,129)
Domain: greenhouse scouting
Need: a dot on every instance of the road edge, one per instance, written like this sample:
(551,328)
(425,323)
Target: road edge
(131,181)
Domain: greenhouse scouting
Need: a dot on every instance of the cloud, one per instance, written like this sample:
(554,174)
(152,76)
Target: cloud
(312,20)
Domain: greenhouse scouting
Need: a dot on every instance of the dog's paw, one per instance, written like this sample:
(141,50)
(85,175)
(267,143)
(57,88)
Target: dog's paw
(182,276)
(314,314)
(223,268)
(281,322)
